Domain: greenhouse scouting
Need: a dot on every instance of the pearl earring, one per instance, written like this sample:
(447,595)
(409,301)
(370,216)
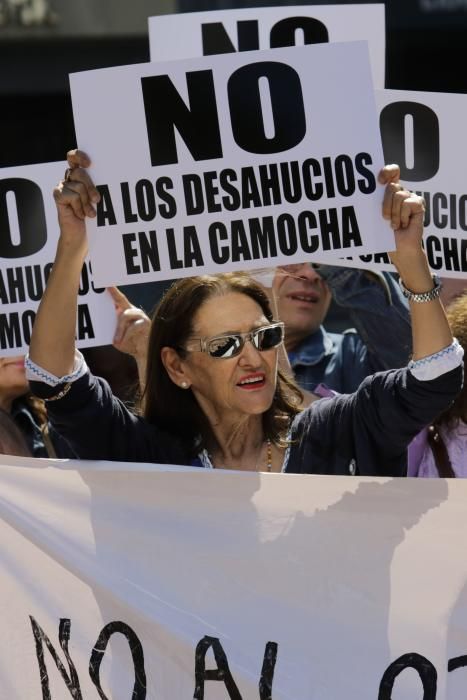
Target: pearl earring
(184,385)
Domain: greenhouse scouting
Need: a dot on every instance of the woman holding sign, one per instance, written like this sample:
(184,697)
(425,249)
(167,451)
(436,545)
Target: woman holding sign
(214,396)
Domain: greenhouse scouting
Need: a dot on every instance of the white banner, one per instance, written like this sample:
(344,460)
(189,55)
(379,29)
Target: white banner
(424,133)
(136,581)
(189,35)
(230,162)
(28,239)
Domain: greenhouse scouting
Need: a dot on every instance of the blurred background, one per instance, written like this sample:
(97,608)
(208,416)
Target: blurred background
(41,41)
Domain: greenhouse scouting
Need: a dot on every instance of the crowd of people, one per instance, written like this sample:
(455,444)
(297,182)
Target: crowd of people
(235,374)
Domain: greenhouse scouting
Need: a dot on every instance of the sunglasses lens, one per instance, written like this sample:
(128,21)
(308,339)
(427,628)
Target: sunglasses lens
(227,346)
(230,345)
(268,338)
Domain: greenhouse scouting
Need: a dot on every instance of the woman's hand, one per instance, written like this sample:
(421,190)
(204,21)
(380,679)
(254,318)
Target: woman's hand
(405,211)
(75,197)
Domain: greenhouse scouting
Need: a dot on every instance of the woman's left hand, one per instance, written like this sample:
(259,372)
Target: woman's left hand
(405,211)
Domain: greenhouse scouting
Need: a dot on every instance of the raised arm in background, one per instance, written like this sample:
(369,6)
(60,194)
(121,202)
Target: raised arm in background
(132,332)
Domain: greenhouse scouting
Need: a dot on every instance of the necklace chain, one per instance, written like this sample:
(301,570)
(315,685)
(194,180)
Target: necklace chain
(268,455)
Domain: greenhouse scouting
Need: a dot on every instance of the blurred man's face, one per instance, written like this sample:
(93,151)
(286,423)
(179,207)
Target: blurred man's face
(303,299)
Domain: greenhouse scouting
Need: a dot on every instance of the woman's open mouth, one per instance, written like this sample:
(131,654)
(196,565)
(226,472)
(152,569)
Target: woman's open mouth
(252,381)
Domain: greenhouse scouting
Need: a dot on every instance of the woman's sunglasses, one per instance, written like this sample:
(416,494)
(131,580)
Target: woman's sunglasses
(231,344)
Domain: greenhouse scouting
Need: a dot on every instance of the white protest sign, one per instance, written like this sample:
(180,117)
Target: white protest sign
(193,34)
(424,133)
(219,163)
(132,580)
(28,239)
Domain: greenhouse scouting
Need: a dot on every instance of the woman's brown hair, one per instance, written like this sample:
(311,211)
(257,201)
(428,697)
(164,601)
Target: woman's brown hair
(457,412)
(176,409)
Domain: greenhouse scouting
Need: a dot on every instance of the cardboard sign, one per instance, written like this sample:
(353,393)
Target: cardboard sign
(189,35)
(231,162)
(135,581)
(424,133)
(28,239)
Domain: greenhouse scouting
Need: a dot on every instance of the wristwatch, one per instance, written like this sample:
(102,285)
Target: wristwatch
(423,296)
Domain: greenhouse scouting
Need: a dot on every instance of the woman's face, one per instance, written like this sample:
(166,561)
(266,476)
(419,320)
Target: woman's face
(13,381)
(233,387)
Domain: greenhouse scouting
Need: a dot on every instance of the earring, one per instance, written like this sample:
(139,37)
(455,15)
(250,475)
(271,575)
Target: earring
(184,385)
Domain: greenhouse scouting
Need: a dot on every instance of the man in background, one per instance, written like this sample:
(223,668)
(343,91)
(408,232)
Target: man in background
(378,313)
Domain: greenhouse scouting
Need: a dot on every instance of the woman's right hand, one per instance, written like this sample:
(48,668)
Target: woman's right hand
(75,197)
(52,344)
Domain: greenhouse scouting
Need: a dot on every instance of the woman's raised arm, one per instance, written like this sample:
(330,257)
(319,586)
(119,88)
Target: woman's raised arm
(405,210)
(53,338)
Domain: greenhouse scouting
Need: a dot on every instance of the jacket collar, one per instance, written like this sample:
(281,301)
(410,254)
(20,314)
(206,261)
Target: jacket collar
(312,349)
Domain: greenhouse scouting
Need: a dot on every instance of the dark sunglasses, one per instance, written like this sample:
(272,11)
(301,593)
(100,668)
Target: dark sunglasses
(231,344)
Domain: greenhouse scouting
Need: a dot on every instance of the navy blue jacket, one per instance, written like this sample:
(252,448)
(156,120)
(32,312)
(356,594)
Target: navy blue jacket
(364,433)
(27,422)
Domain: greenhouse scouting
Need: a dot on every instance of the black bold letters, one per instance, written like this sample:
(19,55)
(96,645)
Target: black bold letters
(267,672)
(425,139)
(165,110)
(71,681)
(137,654)
(31,218)
(221,673)
(246,111)
(216,40)
(424,668)
(284,32)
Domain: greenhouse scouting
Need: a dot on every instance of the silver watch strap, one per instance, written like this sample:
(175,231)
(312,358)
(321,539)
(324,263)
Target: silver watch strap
(423,296)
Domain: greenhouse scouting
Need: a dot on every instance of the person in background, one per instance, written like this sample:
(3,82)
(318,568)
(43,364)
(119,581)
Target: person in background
(27,412)
(132,332)
(123,364)
(453,287)
(441,449)
(12,441)
(377,309)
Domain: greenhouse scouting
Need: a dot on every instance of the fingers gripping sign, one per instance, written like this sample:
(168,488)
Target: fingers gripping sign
(405,211)
(75,197)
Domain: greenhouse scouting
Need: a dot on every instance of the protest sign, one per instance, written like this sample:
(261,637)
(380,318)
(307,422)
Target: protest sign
(224,162)
(132,580)
(193,34)
(423,133)
(28,238)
